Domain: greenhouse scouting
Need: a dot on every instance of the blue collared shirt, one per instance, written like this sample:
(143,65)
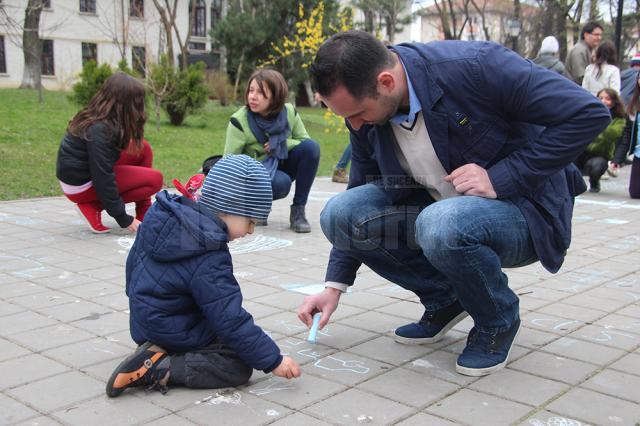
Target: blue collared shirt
(414,104)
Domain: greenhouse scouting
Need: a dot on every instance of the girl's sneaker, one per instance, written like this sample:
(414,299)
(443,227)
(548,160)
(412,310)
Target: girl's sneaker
(93,216)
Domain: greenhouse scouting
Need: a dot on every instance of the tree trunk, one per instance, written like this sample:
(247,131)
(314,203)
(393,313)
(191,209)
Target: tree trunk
(310,94)
(32,46)
(238,73)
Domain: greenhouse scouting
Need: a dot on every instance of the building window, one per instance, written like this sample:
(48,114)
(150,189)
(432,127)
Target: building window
(88,6)
(199,28)
(136,8)
(3,59)
(89,52)
(47,58)
(216,12)
(138,59)
(197,46)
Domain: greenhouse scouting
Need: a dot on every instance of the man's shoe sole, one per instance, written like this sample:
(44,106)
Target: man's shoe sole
(479,372)
(428,340)
(113,392)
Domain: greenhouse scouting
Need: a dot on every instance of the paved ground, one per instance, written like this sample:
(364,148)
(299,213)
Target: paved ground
(64,327)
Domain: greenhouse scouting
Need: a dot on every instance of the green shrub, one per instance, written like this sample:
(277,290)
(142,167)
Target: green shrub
(91,80)
(187,94)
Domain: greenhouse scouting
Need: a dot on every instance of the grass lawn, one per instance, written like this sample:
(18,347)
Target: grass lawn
(30,134)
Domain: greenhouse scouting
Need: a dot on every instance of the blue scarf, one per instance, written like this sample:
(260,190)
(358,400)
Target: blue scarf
(275,131)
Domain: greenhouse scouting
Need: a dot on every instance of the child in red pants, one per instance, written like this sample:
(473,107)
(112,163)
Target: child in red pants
(103,160)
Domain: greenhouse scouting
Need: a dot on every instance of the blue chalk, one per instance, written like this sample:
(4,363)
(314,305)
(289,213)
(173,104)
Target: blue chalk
(314,328)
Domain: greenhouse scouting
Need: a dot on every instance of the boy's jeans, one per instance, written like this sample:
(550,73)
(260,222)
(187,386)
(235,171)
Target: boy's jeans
(442,251)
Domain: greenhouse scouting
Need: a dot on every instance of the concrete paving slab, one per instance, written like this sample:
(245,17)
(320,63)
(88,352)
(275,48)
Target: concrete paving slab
(64,327)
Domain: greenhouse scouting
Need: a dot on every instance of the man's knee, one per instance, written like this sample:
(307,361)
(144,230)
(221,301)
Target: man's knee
(345,211)
(441,228)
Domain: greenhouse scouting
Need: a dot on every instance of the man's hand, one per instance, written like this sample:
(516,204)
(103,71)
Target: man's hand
(325,302)
(267,148)
(472,179)
(288,368)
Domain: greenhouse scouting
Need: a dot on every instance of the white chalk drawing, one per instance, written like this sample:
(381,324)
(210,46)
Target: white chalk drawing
(575,288)
(242,274)
(272,413)
(559,324)
(258,243)
(354,366)
(308,289)
(224,397)
(272,387)
(126,242)
(422,363)
(295,327)
(613,221)
(616,419)
(363,418)
(23,266)
(321,195)
(607,335)
(309,353)
(21,220)
(582,218)
(611,204)
(555,421)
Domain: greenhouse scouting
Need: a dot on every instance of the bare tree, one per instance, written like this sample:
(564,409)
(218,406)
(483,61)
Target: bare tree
(26,35)
(32,46)
(167,9)
(117,30)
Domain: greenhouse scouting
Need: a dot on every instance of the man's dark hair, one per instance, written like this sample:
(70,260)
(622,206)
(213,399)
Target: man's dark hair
(353,59)
(589,27)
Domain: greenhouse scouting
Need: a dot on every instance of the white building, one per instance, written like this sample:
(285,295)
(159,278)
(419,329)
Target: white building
(75,31)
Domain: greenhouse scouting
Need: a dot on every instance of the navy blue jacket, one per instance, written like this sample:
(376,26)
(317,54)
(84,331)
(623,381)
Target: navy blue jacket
(181,288)
(486,105)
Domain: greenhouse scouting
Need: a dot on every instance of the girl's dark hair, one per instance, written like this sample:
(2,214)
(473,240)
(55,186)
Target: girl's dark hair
(277,86)
(633,106)
(120,103)
(617,109)
(605,54)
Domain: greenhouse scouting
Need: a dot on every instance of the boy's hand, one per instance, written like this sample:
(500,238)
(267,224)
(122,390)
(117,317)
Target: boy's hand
(288,368)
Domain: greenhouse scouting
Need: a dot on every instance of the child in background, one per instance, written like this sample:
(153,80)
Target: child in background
(103,160)
(185,304)
(593,161)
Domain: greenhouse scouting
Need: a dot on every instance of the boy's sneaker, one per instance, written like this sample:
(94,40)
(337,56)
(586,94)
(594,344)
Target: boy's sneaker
(93,216)
(486,352)
(145,367)
(432,326)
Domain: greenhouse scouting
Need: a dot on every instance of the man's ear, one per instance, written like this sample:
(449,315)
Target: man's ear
(386,82)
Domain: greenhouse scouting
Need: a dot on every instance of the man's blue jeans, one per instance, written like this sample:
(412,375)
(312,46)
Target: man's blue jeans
(443,251)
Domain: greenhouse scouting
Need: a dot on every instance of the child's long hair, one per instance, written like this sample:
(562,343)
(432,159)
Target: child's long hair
(617,109)
(119,102)
(605,54)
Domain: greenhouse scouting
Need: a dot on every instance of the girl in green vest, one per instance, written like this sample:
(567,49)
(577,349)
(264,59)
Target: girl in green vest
(271,131)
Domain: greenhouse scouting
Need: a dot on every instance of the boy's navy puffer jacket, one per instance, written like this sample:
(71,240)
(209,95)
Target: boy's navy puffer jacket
(181,288)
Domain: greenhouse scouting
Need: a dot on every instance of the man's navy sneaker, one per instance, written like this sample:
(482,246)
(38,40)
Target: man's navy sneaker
(486,352)
(432,326)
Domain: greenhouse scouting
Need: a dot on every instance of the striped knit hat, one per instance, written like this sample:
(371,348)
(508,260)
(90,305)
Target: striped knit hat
(238,185)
